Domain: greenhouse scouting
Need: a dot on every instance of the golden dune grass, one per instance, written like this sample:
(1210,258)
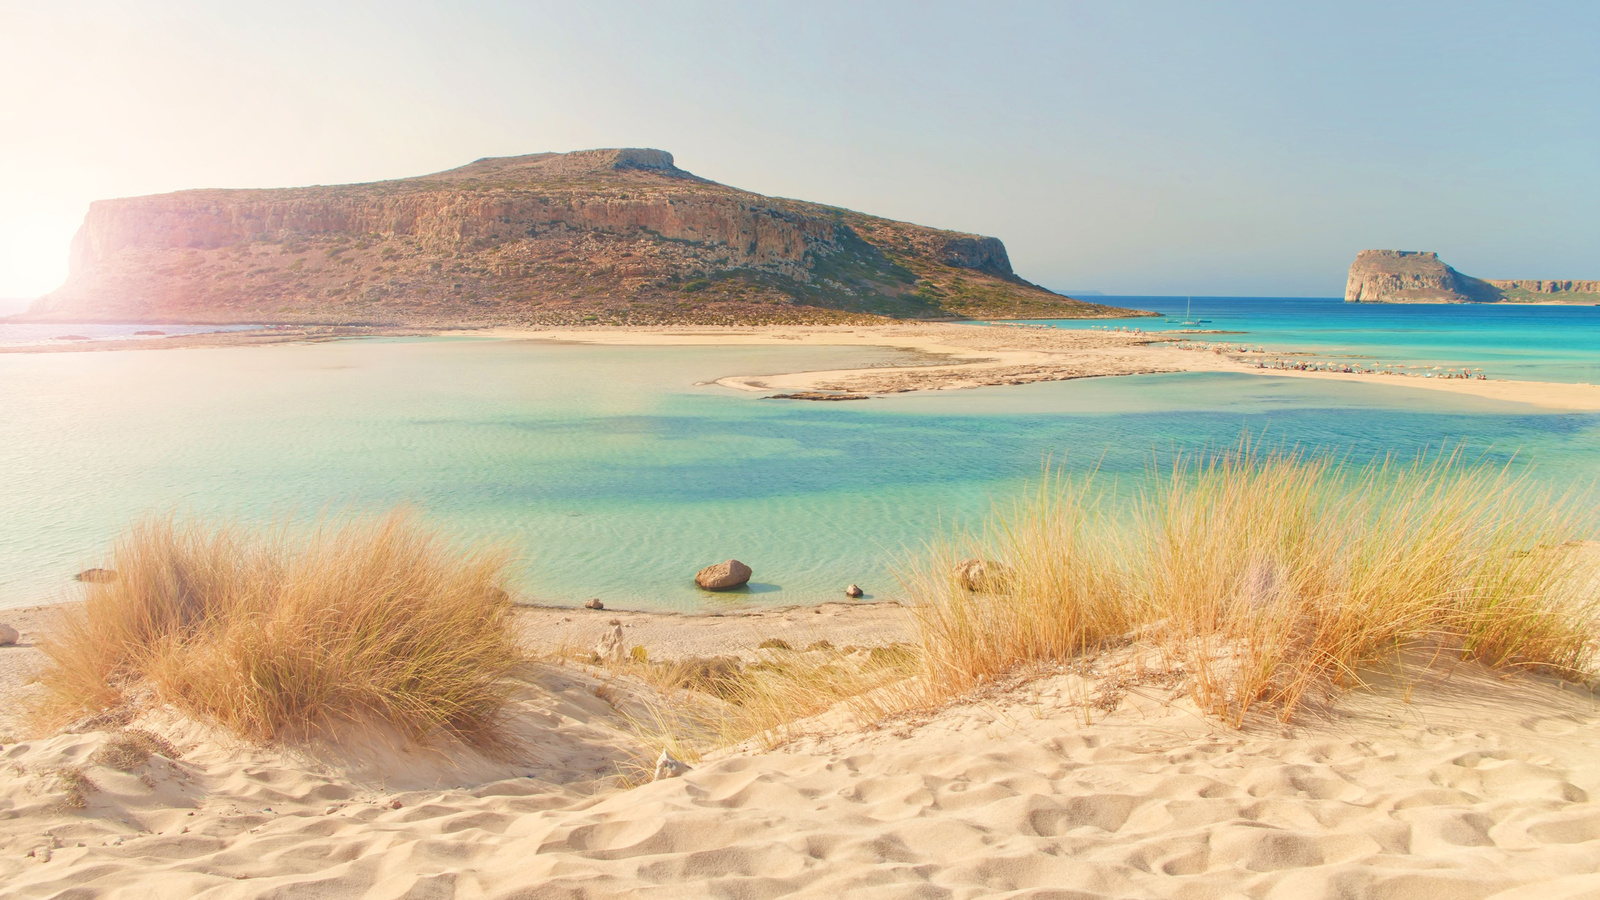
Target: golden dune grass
(1258,579)
(278,636)
(1268,576)
(698,704)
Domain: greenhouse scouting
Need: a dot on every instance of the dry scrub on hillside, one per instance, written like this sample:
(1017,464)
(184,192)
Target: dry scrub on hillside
(278,636)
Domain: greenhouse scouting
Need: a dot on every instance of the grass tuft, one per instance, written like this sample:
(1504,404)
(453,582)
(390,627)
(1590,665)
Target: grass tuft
(279,637)
(129,748)
(74,784)
(1269,576)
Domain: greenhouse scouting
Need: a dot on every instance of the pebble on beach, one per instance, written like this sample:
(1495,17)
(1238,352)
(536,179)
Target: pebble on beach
(668,767)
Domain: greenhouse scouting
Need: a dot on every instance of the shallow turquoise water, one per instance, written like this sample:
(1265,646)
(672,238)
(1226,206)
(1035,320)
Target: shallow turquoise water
(1530,343)
(613,472)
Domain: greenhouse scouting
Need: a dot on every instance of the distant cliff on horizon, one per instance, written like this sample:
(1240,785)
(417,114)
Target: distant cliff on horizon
(593,237)
(1411,276)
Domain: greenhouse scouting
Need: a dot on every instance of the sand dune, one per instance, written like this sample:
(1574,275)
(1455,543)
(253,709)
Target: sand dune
(1464,784)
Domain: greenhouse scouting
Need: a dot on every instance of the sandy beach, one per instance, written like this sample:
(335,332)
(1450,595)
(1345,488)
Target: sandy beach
(1460,783)
(894,451)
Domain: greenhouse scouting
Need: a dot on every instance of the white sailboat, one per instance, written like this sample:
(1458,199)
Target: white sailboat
(1188,312)
(1188,315)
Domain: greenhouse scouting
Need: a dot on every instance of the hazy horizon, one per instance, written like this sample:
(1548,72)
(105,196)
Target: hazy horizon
(1155,149)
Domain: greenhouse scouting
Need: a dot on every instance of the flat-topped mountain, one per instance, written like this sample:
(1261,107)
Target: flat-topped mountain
(1410,276)
(596,236)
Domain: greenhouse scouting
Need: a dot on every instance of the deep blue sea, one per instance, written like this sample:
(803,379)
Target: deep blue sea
(617,472)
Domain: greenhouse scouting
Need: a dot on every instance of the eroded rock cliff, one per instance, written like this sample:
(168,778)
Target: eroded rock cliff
(593,236)
(1410,276)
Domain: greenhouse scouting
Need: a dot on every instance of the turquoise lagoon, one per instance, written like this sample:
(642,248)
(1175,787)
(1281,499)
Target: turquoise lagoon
(617,472)
(1529,343)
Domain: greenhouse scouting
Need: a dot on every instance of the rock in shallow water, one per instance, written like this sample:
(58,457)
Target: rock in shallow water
(96,576)
(724,576)
(853,591)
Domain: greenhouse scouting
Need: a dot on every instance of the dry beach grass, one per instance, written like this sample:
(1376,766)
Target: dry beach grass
(1268,576)
(1252,580)
(277,636)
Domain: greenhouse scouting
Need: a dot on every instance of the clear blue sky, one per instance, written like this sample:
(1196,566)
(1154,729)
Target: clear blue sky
(1126,147)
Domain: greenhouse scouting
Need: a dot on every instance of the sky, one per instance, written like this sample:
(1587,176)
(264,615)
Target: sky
(1220,148)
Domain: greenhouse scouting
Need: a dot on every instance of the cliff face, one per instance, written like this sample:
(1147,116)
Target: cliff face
(1524,289)
(594,236)
(1408,276)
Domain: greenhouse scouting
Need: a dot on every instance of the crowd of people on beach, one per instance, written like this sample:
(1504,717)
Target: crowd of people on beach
(1300,365)
(1282,364)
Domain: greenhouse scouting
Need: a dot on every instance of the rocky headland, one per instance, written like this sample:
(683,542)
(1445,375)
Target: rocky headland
(1410,276)
(618,236)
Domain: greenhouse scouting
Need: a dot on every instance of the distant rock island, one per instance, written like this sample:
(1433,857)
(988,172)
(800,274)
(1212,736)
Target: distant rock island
(1411,276)
(592,237)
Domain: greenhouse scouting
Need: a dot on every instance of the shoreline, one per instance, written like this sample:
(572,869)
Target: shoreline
(957,356)
(257,337)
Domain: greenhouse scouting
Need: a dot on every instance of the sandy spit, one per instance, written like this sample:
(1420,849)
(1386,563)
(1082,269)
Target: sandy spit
(1462,784)
(979,356)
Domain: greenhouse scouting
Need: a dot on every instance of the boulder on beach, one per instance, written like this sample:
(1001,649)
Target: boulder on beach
(9,635)
(981,575)
(724,576)
(593,603)
(96,576)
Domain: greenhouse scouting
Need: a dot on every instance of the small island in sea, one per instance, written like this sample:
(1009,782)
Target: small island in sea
(1412,276)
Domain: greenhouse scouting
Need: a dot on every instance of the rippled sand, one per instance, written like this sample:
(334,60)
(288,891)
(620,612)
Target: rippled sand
(1461,784)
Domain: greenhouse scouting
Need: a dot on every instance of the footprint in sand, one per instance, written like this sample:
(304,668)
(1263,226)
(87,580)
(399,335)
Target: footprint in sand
(1553,726)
